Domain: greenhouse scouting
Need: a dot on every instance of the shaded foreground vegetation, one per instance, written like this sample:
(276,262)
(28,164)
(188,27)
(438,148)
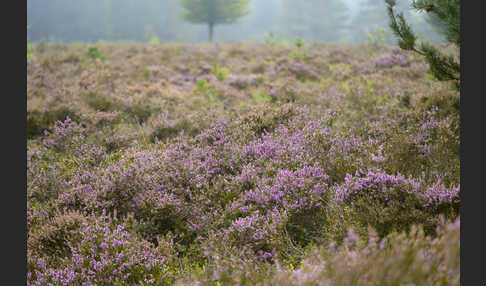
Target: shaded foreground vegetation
(244,164)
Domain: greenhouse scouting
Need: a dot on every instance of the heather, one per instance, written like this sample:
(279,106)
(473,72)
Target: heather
(240,164)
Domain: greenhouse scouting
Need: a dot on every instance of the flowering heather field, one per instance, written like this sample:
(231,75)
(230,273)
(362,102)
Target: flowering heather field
(240,164)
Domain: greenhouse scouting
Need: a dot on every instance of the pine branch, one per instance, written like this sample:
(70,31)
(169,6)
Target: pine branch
(443,67)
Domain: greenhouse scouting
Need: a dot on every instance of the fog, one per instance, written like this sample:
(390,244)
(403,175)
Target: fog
(340,21)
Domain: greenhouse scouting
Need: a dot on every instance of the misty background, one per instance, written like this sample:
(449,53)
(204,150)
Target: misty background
(338,21)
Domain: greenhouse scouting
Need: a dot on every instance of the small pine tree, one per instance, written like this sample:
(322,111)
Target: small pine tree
(443,67)
(214,12)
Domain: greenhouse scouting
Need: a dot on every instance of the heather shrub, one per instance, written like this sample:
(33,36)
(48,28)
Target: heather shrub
(340,55)
(227,268)
(169,130)
(338,221)
(404,258)
(427,139)
(302,71)
(257,234)
(160,212)
(340,71)
(105,252)
(445,103)
(38,121)
(42,177)
(266,119)
(131,185)
(140,111)
(111,188)
(101,102)
(72,58)
(52,237)
(63,135)
(263,176)
(306,226)
(393,203)
(259,68)
(165,126)
(393,59)
(243,82)
(54,158)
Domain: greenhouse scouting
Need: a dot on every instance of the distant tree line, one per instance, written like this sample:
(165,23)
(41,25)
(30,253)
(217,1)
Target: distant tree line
(171,20)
